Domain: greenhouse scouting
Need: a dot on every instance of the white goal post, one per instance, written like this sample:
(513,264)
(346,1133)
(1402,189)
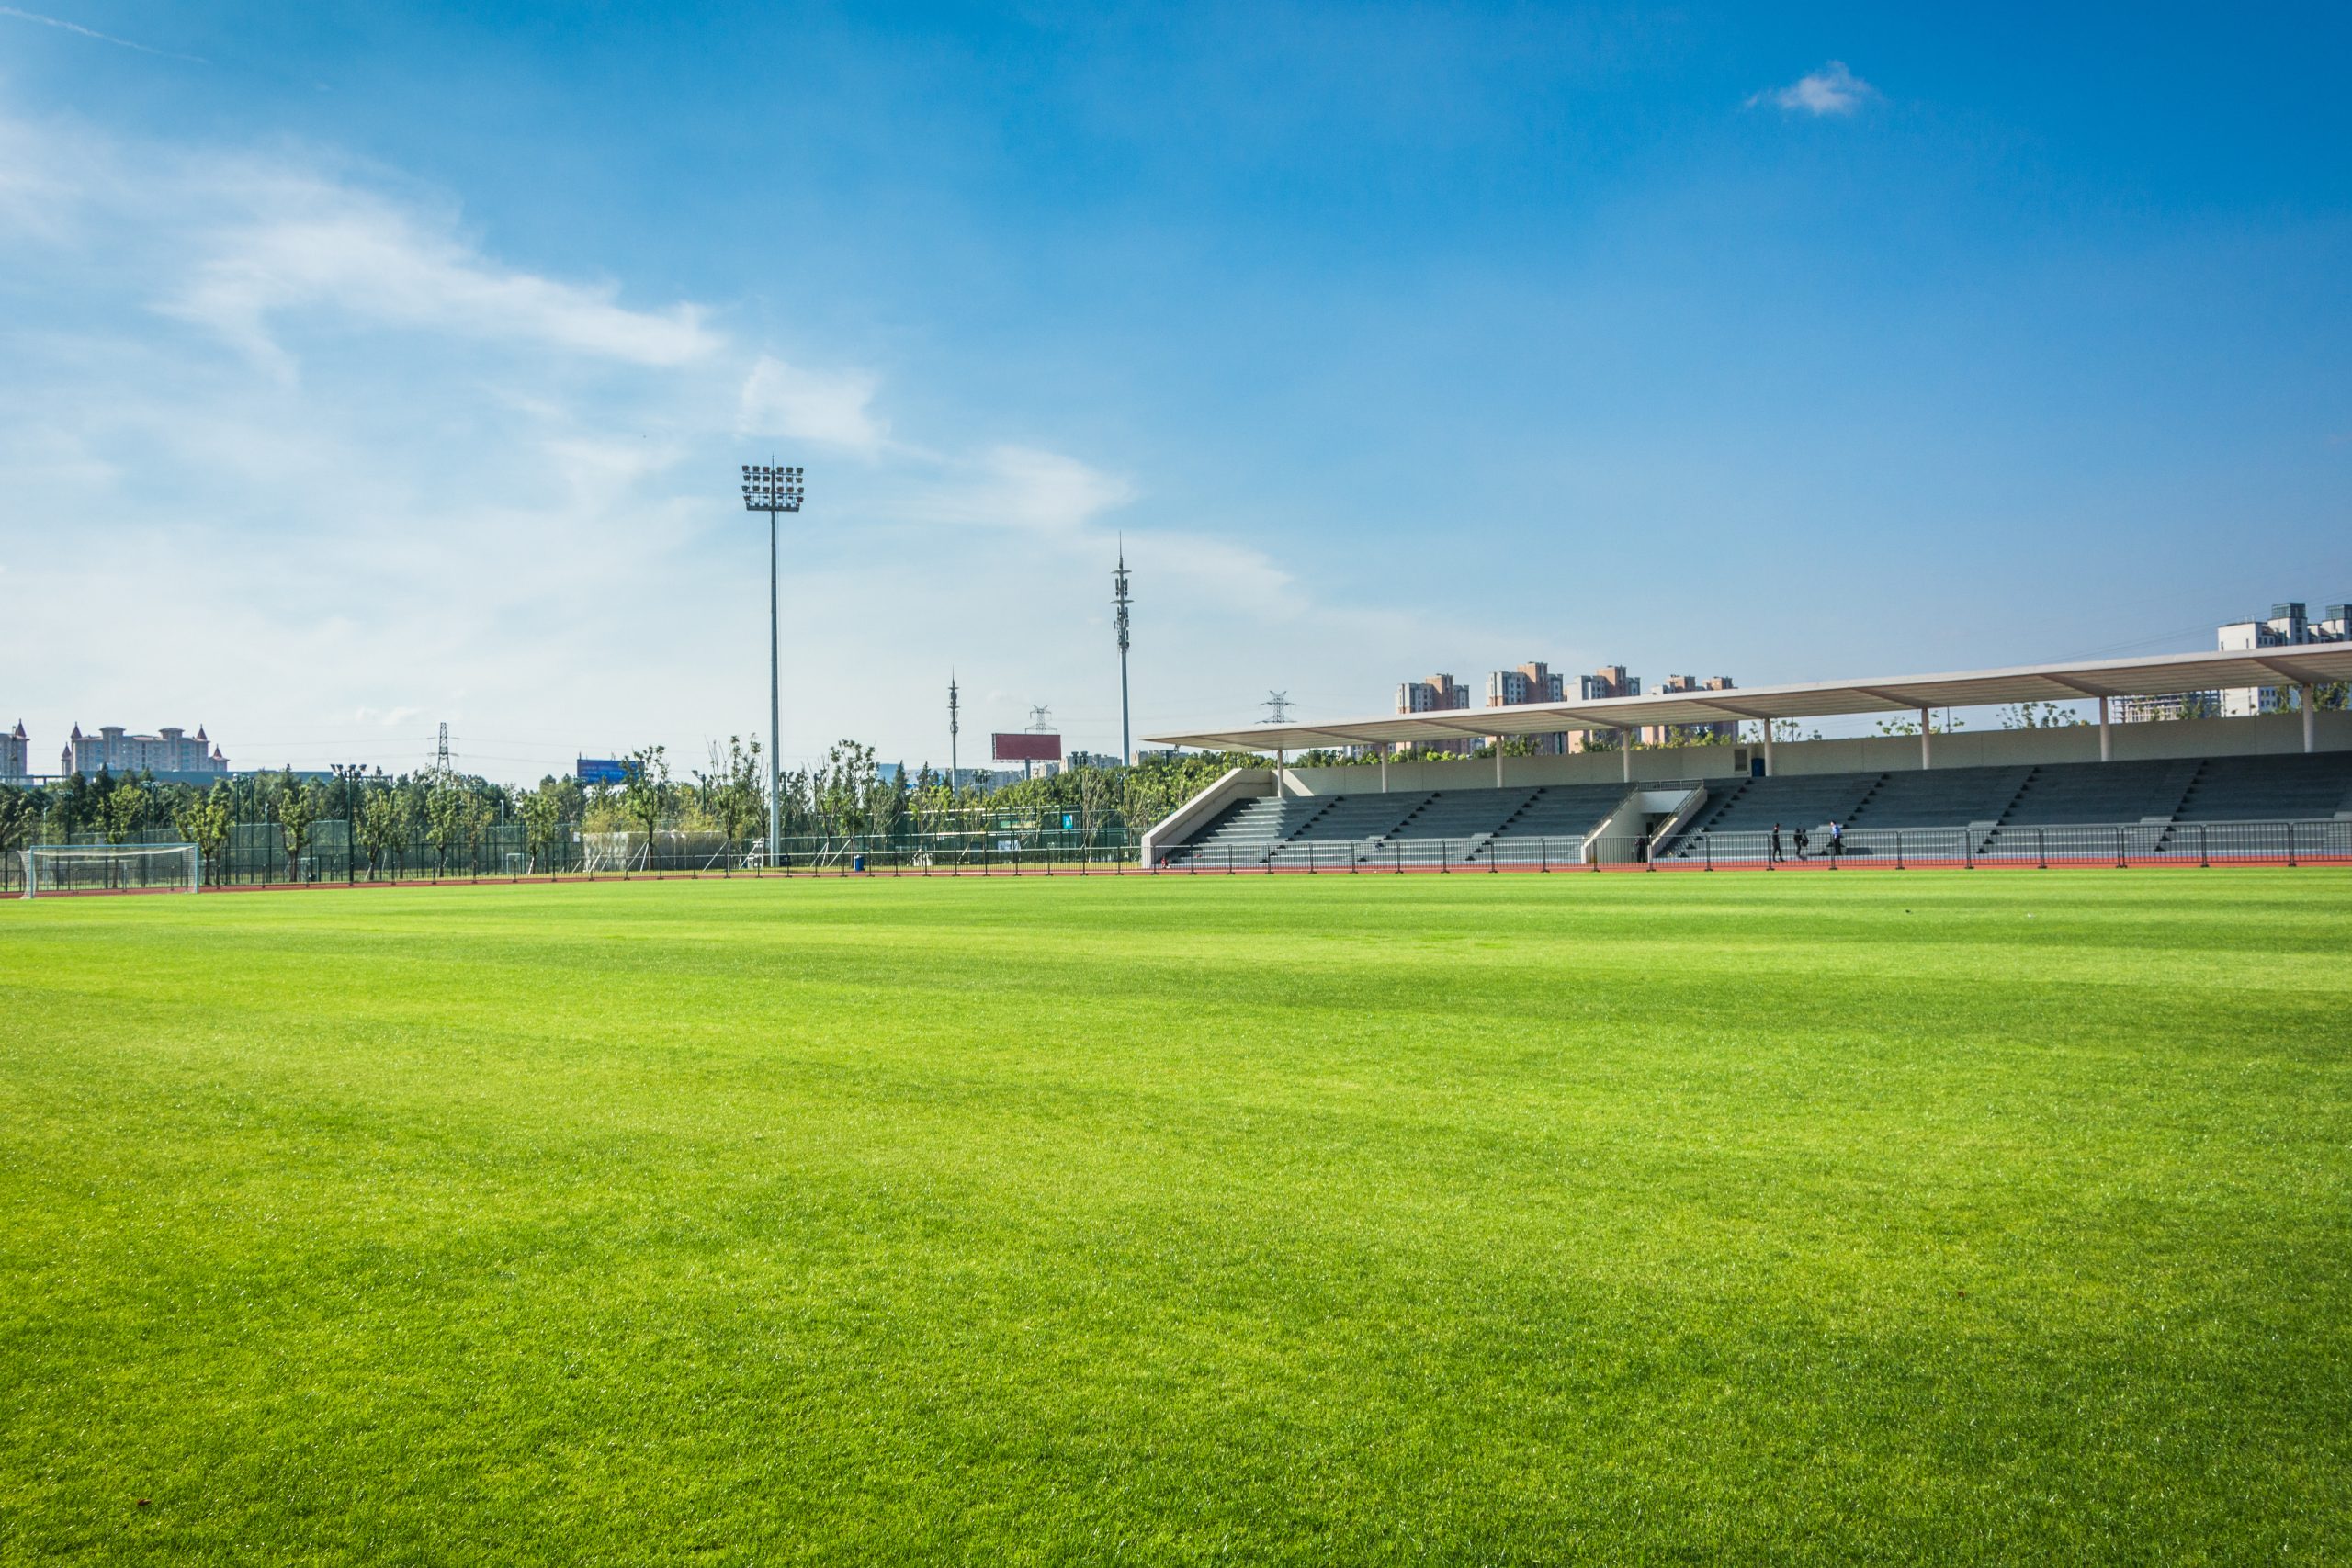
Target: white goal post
(111,868)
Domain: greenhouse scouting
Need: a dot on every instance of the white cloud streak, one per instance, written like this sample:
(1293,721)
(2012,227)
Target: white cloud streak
(1831,91)
(102,38)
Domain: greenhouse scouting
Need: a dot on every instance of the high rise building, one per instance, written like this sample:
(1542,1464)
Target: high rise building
(1438,694)
(1608,681)
(1531,683)
(2286,625)
(1692,734)
(170,750)
(15,753)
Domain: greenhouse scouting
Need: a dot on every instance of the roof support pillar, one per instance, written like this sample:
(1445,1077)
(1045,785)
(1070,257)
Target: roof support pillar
(1625,749)
(2311,721)
(2106,747)
(1926,753)
(1767,748)
(1383,767)
(1499,762)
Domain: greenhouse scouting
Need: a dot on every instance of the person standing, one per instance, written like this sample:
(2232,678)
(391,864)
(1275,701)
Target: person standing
(1837,840)
(1776,845)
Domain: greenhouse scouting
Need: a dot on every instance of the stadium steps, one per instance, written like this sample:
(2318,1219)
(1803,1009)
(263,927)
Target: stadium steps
(2269,789)
(1792,800)
(1560,817)
(1717,804)
(2069,794)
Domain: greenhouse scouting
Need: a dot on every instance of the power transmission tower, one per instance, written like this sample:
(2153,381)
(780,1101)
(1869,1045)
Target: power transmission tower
(1040,723)
(952,727)
(441,760)
(1119,601)
(1277,706)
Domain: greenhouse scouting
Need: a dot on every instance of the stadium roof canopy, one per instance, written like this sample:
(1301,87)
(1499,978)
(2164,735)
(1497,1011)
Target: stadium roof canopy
(2158,675)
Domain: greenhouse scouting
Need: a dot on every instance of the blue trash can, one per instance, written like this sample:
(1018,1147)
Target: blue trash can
(857,863)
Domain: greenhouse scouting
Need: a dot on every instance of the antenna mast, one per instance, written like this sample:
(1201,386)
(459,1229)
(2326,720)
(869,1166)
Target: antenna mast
(1120,601)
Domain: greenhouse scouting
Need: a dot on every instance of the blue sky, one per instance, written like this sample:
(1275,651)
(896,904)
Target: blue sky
(367,366)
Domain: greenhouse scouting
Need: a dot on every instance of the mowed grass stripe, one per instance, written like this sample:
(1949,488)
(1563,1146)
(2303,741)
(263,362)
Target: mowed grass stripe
(1333,1219)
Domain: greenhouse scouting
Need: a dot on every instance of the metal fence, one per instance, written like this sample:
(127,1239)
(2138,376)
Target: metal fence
(2145,843)
(256,855)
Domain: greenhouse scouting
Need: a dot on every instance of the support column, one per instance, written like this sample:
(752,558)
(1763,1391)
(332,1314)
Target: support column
(1926,753)
(2105,748)
(1499,762)
(1767,748)
(1282,774)
(1383,767)
(2310,718)
(1626,751)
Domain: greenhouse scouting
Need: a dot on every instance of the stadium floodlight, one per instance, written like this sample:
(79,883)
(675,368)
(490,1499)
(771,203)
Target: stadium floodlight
(774,489)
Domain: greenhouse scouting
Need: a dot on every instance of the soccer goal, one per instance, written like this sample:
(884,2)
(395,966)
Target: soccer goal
(111,868)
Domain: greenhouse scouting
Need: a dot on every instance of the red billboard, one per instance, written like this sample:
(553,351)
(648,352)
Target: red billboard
(1026,746)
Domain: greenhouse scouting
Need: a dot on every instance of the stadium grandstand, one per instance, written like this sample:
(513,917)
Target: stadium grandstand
(2273,786)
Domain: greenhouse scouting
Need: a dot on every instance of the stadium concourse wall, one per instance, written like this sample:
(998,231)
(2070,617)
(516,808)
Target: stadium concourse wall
(2266,735)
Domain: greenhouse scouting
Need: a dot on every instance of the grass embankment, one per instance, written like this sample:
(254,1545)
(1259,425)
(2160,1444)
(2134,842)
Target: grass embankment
(1920,1218)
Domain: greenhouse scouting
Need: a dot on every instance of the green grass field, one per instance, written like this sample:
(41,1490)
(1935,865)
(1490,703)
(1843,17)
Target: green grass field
(1900,1218)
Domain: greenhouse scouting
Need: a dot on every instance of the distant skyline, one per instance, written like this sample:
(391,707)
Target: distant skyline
(366,367)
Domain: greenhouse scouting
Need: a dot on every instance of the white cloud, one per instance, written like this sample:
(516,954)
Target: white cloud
(1832,90)
(316,247)
(834,409)
(456,524)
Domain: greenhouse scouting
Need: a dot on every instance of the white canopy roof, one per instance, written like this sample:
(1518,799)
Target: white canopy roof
(2149,676)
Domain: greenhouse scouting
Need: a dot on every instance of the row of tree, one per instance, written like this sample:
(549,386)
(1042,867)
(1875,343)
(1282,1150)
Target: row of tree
(383,817)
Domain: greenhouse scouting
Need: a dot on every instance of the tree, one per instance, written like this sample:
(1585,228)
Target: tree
(1944,725)
(848,786)
(452,815)
(126,811)
(2038,716)
(1098,794)
(205,821)
(643,791)
(733,791)
(543,823)
(297,809)
(386,821)
(19,815)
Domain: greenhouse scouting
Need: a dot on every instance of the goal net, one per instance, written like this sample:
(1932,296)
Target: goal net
(110,868)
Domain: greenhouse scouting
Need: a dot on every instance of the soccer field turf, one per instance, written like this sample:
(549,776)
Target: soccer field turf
(1911,1218)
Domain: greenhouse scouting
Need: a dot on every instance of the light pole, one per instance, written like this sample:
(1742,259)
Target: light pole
(1119,600)
(769,489)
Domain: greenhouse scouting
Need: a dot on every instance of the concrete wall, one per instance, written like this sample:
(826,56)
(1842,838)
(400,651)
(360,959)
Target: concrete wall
(1235,784)
(2269,734)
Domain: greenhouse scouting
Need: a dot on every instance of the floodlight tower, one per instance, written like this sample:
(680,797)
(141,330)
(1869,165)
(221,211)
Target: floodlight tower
(1119,602)
(769,489)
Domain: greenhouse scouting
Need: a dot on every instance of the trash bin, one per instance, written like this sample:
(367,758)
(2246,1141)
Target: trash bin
(857,863)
